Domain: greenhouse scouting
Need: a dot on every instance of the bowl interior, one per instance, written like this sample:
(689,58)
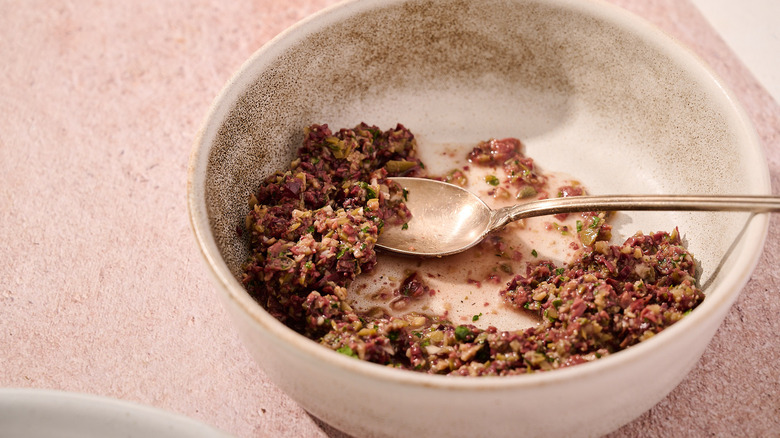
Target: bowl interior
(591,92)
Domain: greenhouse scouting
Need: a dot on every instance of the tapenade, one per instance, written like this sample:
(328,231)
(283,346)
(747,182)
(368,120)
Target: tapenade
(312,230)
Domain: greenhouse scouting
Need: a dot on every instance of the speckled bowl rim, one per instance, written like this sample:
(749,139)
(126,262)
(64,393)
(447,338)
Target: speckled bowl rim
(754,235)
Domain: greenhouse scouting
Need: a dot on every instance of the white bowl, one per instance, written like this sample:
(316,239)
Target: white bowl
(590,89)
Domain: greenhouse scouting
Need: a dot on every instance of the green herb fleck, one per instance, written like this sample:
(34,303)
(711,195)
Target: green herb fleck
(534,253)
(492,180)
(406,195)
(461,332)
(341,253)
(559,271)
(370,192)
(310,229)
(579,226)
(476,317)
(595,223)
(405,226)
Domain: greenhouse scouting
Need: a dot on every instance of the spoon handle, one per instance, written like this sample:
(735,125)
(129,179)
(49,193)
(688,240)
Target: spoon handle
(543,207)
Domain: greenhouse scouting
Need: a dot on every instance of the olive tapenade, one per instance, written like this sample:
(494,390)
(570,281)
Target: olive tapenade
(313,228)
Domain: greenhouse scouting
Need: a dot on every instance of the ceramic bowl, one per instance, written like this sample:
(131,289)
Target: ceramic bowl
(592,91)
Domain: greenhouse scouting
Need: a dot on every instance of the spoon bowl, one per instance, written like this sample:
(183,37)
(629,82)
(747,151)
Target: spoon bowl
(448,219)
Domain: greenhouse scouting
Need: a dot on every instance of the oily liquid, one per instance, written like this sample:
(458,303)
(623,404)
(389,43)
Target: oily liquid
(465,287)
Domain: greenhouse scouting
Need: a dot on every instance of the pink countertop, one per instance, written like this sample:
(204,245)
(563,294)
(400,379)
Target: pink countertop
(102,288)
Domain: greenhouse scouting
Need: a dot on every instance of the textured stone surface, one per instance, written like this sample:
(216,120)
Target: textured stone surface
(102,289)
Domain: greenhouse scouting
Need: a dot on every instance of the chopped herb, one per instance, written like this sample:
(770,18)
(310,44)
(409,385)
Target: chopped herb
(341,253)
(405,226)
(461,332)
(534,253)
(557,303)
(579,226)
(559,271)
(406,195)
(392,336)
(492,180)
(595,222)
(370,192)
(476,317)
(310,229)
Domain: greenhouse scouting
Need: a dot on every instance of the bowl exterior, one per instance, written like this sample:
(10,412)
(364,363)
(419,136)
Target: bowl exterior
(589,402)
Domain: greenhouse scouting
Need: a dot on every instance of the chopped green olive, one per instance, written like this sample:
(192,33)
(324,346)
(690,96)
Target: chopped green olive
(346,350)
(394,166)
(526,192)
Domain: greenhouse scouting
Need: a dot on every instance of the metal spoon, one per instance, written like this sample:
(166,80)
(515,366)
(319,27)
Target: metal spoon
(447,219)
